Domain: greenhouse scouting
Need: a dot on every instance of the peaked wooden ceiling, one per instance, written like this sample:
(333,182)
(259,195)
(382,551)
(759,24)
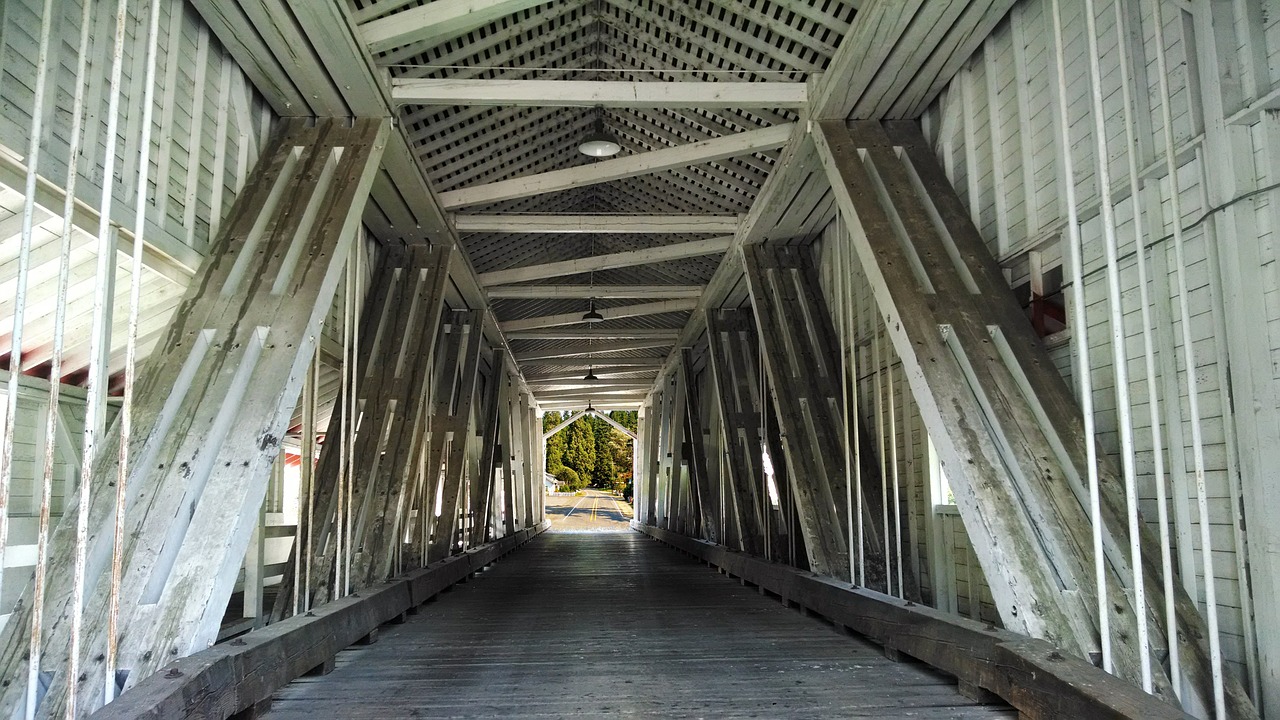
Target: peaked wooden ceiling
(856,59)
(607,40)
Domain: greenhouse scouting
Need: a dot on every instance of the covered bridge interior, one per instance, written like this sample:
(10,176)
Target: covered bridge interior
(954,325)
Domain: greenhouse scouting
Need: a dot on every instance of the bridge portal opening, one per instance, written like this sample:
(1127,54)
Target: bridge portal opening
(589,470)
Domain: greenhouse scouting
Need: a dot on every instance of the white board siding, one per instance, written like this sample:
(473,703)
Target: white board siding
(17,75)
(1036,216)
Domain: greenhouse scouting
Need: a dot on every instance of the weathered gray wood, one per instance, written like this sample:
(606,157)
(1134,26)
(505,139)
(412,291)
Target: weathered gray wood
(708,498)
(1006,426)
(732,349)
(451,424)
(203,442)
(224,679)
(1031,675)
(482,494)
(799,357)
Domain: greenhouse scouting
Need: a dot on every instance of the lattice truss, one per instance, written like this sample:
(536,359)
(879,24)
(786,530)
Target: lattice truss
(630,40)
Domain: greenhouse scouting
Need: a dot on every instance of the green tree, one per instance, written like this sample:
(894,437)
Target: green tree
(581,451)
(606,472)
(556,444)
(569,479)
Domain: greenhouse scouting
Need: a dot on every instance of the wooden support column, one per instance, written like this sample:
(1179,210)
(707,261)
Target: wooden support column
(212,404)
(733,349)
(649,499)
(398,330)
(800,357)
(507,446)
(531,438)
(458,365)
(482,494)
(1006,427)
(707,497)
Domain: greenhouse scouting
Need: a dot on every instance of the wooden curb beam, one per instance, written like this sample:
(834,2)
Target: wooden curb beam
(231,677)
(1029,674)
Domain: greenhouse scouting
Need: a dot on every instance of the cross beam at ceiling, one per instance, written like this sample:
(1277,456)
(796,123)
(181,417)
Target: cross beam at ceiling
(603,372)
(619,168)
(585,292)
(587,386)
(436,22)
(580,350)
(612,224)
(627,258)
(528,361)
(588,93)
(573,318)
(595,333)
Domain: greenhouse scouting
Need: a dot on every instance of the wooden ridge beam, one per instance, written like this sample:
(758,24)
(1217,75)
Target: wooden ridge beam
(616,169)
(627,258)
(610,224)
(579,385)
(433,23)
(586,292)
(574,318)
(595,93)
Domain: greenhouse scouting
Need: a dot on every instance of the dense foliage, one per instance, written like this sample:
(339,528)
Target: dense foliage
(591,452)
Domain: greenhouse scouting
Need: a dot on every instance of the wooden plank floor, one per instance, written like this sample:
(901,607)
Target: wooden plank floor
(583,625)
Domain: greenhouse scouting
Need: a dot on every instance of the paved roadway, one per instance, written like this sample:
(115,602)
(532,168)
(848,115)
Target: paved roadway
(592,511)
(616,625)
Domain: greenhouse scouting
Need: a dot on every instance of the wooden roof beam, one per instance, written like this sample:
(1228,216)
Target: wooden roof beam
(574,318)
(603,372)
(624,167)
(612,224)
(586,292)
(591,93)
(595,334)
(651,363)
(436,22)
(629,258)
(585,350)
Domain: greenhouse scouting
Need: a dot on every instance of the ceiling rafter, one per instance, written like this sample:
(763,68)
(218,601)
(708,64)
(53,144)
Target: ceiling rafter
(614,224)
(585,292)
(613,313)
(693,248)
(597,93)
(436,22)
(728,146)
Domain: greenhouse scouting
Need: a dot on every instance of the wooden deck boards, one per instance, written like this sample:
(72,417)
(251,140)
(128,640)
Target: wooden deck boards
(615,624)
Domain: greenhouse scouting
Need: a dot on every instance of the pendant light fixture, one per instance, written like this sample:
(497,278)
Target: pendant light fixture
(592,315)
(591,374)
(600,142)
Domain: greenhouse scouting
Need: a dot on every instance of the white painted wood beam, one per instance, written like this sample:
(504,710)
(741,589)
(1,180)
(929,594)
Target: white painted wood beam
(589,386)
(589,394)
(609,372)
(584,292)
(437,21)
(591,93)
(574,318)
(528,361)
(604,404)
(612,224)
(629,258)
(582,350)
(619,168)
(594,334)
(563,424)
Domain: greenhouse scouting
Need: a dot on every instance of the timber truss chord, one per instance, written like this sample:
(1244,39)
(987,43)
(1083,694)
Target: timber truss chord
(210,409)
(1006,426)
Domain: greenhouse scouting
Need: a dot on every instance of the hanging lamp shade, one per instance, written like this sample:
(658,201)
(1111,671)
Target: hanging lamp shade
(592,315)
(591,375)
(600,142)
